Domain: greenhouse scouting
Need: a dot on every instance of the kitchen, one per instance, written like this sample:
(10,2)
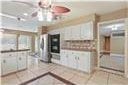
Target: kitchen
(62,52)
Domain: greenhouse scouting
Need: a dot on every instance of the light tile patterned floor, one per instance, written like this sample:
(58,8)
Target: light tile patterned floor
(77,77)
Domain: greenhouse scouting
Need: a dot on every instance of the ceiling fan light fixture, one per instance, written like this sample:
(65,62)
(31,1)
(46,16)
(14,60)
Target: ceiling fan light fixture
(40,16)
(49,16)
(25,14)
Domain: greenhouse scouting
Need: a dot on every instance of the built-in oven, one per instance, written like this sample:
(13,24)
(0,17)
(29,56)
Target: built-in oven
(55,43)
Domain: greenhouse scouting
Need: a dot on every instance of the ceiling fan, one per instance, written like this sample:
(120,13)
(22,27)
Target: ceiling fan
(46,10)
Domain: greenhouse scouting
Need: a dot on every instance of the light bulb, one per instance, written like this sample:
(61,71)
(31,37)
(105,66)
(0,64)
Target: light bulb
(49,16)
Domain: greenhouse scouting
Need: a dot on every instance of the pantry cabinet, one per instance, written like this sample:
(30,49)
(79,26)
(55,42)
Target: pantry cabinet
(78,60)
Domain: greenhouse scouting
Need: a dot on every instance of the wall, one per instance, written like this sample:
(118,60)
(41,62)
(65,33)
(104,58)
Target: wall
(114,15)
(117,45)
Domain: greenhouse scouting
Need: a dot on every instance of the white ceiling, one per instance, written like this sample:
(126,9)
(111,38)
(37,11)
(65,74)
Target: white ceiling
(77,9)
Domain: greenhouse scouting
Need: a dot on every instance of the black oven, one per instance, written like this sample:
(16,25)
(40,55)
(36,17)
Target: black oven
(55,43)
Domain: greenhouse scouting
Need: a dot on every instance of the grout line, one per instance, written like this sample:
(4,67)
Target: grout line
(108,78)
(18,78)
(89,78)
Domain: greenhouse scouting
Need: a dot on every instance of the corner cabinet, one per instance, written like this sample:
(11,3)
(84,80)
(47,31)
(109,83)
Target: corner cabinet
(84,31)
(13,62)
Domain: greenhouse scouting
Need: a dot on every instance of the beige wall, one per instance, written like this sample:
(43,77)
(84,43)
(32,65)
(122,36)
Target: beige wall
(117,45)
(114,15)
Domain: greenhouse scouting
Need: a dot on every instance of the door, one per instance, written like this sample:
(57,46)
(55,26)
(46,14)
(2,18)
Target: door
(84,61)
(44,47)
(87,31)
(9,63)
(64,57)
(22,60)
(76,32)
(72,60)
(67,33)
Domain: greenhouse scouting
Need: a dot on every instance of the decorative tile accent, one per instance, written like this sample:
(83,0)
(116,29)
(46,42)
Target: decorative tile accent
(79,45)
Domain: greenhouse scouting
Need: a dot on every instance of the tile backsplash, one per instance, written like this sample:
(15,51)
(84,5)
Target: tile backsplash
(79,44)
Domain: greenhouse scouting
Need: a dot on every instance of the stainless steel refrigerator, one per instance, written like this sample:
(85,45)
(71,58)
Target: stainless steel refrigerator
(44,48)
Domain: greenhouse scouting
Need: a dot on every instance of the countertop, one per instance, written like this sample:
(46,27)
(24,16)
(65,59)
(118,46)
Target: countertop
(74,49)
(7,51)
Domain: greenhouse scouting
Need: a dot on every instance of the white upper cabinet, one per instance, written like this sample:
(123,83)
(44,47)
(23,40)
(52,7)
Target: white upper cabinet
(87,31)
(79,32)
(67,33)
(76,32)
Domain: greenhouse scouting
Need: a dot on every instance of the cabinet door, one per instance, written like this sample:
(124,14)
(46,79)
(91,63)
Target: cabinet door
(22,60)
(72,60)
(76,32)
(9,63)
(87,31)
(84,61)
(67,33)
(64,58)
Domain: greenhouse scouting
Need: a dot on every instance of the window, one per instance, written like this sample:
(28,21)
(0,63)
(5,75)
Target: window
(24,42)
(8,42)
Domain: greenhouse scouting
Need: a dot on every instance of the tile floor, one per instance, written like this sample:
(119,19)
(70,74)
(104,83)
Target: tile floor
(77,77)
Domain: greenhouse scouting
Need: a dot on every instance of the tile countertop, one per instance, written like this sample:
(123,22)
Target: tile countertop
(7,51)
(89,50)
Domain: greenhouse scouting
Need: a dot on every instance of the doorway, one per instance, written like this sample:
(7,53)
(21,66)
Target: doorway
(111,46)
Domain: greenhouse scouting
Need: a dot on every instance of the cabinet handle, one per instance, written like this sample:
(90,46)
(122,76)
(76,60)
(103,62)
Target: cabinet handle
(10,55)
(78,58)
(4,61)
(20,58)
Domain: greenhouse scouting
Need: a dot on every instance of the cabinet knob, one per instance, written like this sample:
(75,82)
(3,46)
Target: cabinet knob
(78,58)
(20,58)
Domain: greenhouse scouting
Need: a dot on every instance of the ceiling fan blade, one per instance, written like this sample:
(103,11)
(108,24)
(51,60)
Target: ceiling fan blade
(27,3)
(34,14)
(60,9)
(12,17)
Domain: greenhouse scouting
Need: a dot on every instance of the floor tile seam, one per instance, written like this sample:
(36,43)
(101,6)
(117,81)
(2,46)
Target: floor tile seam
(108,78)
(91,75)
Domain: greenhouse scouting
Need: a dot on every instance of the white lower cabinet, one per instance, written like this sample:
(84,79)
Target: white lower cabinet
(9,64)
(12,62)
(64,57)
(72,60)
(22,60)
(77,60)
